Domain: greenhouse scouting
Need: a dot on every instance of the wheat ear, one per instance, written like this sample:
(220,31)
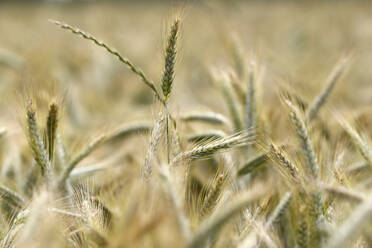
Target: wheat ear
(35,141)
(304,138)
(170,60)
(302,231)
(209,149)
(286,166)
(168,74)
(52,124)
(205,136)
(156,136)
(211,198)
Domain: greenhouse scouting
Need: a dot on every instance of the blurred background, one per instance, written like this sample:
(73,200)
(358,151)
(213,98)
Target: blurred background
(296,42)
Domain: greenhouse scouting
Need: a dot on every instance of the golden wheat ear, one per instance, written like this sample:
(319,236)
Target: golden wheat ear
(210,148)
(206,136)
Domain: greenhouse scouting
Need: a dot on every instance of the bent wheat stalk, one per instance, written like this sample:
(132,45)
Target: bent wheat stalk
(79,157)
(112,51)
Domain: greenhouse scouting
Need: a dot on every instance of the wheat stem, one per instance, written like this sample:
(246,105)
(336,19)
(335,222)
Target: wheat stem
(320,100)
(79,157)
(124,60)
(352,226)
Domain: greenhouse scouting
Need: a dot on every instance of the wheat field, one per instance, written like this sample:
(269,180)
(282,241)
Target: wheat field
(186,124)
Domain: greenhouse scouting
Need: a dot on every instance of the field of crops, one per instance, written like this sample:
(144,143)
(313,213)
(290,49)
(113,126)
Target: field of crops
(199,124)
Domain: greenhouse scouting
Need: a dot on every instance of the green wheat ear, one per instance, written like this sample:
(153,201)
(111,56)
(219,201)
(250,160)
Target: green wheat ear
(170,60)
(52,124)
(35,141)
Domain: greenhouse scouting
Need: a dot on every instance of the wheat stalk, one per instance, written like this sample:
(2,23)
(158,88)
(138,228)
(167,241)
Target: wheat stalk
(79,157)
(359,142)
(11,197)
(253,163)
(183,222)
(352,226)
(112,51)
(214,223)
(206,117)
(251,100)
(320,100)
(343,193)
(128,130)
(279,210)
